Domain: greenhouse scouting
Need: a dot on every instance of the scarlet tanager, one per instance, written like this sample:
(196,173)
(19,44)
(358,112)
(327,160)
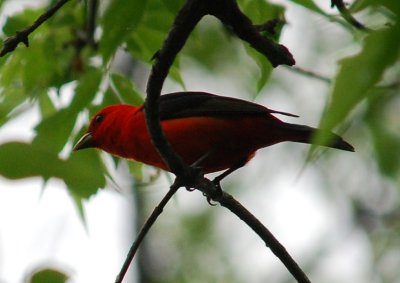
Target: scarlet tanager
(222,133)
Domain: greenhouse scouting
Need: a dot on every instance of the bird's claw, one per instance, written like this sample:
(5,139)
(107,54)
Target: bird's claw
(218,188)
(217,194)
(209,200)
(189,189)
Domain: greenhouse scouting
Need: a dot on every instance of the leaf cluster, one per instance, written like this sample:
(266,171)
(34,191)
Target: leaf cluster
(66,78)
(59,59)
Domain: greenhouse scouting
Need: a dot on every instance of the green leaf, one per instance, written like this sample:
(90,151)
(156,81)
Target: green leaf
(387,149)
(53,132)
(136,170)
(212,56)
(47,61)
(384,129)
(310,5)
(48,275)
(1,3)
(175,73)
(46,106)
(81,209)
(120,19)
(145,43)
(11,70)
(359,5)
(85,173)
(110,97)
(150,34)
(21,160)
(20,21)
(359,73)
(198,226)
(10,99)
(82,172)
(38,68)
(173,5)
(261,11)
(393,6)
(86,89)
(313,7)
(126,90)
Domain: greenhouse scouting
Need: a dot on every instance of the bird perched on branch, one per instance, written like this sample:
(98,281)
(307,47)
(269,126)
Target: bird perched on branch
(214,132)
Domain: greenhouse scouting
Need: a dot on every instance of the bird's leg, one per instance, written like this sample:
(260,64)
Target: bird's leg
(238,165)
(196,165)
(218,179)
(201,159)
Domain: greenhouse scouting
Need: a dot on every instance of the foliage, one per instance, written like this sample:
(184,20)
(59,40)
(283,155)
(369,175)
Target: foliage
(59,61)
(56,59)
(48,275)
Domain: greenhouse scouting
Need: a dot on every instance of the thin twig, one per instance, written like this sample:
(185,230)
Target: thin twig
(226,200)
(394,85)
(310,74)
(92,8)
(269,26)
(347,15)
(269,239)
(143,232)
(229,13)
(184,23)
(22,36)
(390,86)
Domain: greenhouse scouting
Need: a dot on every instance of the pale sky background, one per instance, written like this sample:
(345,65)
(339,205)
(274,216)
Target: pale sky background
(38,227)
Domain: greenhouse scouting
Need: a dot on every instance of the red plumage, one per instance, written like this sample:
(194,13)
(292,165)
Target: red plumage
(227,131)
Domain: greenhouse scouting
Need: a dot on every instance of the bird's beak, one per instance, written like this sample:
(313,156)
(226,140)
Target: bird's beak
(85,141)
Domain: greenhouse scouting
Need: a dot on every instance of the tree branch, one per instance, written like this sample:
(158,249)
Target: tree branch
(311,74)
(226,200)
(269,26)
(22,36)
(229,13)
(92,7)
(392,85)
(269,239)
(143,232)
(184,23)
(188,17)
(347,15)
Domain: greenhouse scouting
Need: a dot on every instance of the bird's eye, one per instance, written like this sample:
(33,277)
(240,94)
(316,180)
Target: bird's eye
(98,118)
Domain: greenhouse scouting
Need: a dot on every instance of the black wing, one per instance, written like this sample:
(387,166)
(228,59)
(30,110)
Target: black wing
(195,104)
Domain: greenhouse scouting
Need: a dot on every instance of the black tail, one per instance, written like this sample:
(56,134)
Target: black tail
(305,134)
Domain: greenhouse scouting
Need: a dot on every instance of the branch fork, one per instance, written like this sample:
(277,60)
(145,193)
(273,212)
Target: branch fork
(228,12)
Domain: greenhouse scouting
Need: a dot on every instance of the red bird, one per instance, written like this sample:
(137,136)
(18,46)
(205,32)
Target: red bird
(222,132)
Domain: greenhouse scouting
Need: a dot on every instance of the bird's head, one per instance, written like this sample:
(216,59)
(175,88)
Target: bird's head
(103,128)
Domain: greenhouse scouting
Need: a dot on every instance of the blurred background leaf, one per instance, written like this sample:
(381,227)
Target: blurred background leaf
(118,21)
(48,275)
(63,78)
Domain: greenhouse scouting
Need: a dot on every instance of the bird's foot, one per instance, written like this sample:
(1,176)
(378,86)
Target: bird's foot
(216,195)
